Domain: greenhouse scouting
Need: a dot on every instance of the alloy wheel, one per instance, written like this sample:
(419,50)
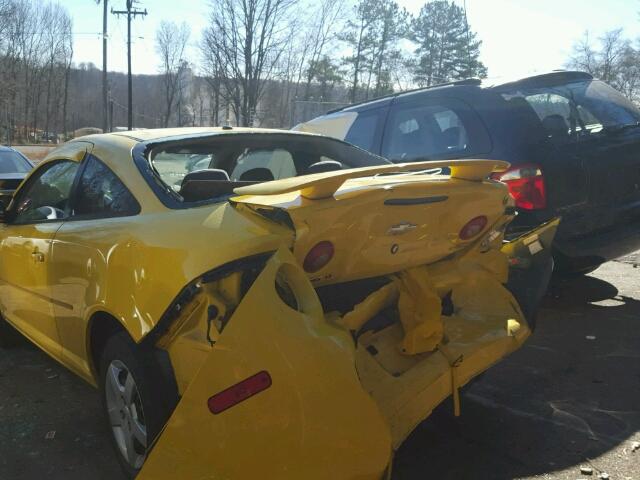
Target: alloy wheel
(124,408)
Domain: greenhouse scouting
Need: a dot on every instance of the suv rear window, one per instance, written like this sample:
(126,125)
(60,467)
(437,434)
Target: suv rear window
(578,109)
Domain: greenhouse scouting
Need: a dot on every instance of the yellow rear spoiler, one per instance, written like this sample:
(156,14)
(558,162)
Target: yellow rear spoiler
(323,185)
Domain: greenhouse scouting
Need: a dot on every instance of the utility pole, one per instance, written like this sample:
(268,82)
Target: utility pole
(130,12)
(105,14)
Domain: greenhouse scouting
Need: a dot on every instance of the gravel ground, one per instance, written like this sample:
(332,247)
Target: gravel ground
(569,399)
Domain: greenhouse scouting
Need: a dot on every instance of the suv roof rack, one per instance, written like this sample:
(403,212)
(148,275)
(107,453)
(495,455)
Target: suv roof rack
(466,81)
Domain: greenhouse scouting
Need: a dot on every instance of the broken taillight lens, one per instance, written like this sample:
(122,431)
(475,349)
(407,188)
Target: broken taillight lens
(318,256)
(526,185)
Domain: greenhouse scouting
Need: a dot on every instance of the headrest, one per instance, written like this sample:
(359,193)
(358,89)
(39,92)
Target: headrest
(259,174)
(206,174)
(555,125)
(324,166)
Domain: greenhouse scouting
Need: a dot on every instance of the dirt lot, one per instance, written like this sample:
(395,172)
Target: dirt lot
(569,399)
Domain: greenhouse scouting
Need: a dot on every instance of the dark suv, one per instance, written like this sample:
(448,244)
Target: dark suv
(573,143)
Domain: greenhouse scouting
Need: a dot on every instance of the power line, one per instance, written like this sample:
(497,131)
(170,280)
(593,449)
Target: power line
(131,12)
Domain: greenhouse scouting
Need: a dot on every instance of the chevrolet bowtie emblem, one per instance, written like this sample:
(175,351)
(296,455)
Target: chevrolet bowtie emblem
(401,228)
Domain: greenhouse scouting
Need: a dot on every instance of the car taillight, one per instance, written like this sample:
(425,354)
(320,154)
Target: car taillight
(473,227)
(526,185)
(318,256)
(239,392)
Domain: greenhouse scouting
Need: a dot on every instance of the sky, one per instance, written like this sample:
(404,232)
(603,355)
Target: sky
(519,37)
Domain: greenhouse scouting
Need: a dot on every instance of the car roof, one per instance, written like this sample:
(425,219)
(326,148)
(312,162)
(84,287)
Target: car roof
(547,79)
(4,148)
(126,140)
(550,78)
(156,134)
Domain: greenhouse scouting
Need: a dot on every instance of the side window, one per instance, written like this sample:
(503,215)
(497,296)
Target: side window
(264,165)
(363,131)
(424,132)
(566,112)
(46,195)
(101,193)
(555,114)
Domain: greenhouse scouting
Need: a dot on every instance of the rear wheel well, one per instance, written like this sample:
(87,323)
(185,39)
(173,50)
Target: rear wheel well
(102,326)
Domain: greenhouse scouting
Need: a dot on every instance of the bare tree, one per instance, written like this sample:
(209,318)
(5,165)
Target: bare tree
(325,21)
(612,59)
(171,43)
(247,40)
(584,56)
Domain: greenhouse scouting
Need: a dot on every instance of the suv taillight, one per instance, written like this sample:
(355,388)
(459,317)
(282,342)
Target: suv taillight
(526,185)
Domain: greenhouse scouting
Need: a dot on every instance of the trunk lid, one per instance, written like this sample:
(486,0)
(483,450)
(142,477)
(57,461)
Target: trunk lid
(385,219)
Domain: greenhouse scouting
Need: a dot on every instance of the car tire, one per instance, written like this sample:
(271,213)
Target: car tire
(569,272)
(137,398)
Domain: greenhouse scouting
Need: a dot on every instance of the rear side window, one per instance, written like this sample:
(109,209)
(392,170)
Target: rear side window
(579,110)
(440,128)
(101,193)
(363,132)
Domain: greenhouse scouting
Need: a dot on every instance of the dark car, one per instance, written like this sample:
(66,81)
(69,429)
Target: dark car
(573,143)
(13,168)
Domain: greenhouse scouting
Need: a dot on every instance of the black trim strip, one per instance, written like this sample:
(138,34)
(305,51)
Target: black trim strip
(415,201)
(68,306)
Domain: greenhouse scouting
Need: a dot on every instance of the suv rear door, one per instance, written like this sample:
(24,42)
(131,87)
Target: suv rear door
(611,146)
(593,172)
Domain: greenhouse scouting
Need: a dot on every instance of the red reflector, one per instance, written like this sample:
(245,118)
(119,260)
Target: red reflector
(526,185)
(239,392)
(318,256)
(473,227)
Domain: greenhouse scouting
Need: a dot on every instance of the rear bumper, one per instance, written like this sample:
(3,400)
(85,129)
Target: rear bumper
(606,245)
(529,286)
(600,245)
(406,399)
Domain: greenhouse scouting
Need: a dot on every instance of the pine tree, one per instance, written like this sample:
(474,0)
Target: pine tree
(359,36)
(447,49)
(373,34)
(391,28)
(326,74)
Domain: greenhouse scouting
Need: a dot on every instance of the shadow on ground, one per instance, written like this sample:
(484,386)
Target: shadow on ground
(51,423)
(568,397)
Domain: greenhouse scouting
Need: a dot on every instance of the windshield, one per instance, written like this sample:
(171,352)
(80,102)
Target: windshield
(583,107)
(204,169)
(13,162)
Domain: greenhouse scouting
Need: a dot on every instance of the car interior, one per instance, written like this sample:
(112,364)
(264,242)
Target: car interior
(200,171)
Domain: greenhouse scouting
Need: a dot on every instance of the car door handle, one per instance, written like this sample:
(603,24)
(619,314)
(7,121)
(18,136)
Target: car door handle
(37,256)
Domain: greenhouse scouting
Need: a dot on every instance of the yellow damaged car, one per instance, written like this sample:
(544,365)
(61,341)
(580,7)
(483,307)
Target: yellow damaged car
(265,304)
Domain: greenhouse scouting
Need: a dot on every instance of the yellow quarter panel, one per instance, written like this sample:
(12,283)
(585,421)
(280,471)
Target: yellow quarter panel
(314,422)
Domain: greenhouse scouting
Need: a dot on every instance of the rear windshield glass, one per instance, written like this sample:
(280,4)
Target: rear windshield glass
(583,108)
(197,170)
(13,162)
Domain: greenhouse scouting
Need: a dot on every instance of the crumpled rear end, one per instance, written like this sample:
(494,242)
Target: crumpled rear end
(347,363)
